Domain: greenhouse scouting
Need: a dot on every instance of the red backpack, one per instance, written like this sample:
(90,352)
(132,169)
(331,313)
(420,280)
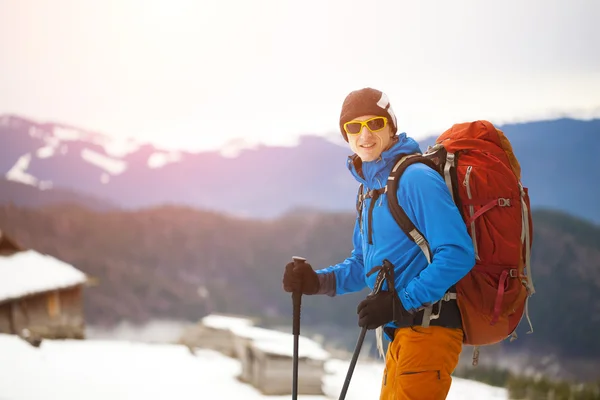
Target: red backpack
(484,177)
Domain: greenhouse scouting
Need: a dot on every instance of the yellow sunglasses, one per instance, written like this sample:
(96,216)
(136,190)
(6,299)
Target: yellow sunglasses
(374,124)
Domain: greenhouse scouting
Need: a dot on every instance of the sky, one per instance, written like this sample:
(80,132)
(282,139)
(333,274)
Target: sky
(201,74)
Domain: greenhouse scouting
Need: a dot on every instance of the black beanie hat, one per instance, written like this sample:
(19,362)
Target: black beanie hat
(367,101)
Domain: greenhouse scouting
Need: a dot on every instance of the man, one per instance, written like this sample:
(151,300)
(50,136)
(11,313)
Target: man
(422,354)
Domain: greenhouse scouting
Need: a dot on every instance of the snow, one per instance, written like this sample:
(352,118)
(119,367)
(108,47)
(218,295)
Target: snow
(110,165)
(49,150)
(158,159)
(112,146)
(29,272)
(45,152)
(284,346)
(56,141)
(218,321)
(18,173)
(116,370)
(67,134)
(153,331)
(118,147)
(233,148)
(266,340)
(280,343)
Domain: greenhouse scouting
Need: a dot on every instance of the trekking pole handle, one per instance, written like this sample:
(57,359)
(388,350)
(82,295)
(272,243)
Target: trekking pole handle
(297,300)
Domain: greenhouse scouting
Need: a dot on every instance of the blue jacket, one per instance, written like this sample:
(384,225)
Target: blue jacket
(425,198)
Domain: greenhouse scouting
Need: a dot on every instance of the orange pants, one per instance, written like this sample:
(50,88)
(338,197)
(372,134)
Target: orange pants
(419,362)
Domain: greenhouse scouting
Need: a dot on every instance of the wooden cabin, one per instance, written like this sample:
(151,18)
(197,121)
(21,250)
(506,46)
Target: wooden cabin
(39,294)
(266,355)
(267,361)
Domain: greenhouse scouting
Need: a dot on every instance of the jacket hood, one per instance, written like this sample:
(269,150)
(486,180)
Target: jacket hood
(374,174)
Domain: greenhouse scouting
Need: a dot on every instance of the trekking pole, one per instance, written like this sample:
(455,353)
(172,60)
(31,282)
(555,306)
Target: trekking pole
(383,274)
(297,302)
(359,342)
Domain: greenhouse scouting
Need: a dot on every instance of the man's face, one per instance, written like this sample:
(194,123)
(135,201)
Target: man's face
(367,143)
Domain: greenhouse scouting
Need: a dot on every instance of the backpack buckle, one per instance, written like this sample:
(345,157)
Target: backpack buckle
(449,296)
(375,193)
(436,315)
(503,202)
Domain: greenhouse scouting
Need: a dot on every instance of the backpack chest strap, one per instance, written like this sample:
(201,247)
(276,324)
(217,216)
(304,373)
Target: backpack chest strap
(372,194)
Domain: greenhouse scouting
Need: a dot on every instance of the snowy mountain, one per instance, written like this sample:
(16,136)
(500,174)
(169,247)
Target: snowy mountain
(557,157)
(101,369)
(135,175)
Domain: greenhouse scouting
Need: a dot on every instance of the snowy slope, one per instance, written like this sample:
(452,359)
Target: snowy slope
(115,370)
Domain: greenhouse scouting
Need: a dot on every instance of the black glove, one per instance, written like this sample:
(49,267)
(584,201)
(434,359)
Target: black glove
(379,309)
(300,277)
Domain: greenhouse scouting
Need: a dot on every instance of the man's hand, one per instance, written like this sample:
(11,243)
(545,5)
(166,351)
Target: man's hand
(300,277)
(379,309)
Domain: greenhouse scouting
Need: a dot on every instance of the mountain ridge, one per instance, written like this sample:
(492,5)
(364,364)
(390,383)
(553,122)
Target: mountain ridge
(557,160)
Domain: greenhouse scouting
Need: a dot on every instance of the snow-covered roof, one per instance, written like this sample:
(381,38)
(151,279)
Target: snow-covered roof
(219,321)
(280,343)
(285,347)
(257,334)
(29,272)
(267,340)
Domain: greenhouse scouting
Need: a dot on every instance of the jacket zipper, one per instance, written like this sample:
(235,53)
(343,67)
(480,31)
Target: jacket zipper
(367,247)
(365,236)
(467,184)
(365,231)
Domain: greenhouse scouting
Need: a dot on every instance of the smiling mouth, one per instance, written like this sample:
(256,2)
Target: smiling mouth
(367,146)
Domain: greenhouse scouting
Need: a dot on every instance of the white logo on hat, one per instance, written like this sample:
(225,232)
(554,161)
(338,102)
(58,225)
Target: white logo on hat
(385,102)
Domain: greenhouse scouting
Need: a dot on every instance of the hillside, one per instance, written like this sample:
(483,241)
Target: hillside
(151,264)
(557,157)
(29,196)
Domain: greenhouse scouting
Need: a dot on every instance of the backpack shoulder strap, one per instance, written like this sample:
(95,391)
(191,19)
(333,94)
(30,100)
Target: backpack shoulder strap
(407,226)
(359,205)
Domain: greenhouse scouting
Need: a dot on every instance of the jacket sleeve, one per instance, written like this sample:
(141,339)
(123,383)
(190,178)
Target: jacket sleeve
(347,276)
(428,203)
